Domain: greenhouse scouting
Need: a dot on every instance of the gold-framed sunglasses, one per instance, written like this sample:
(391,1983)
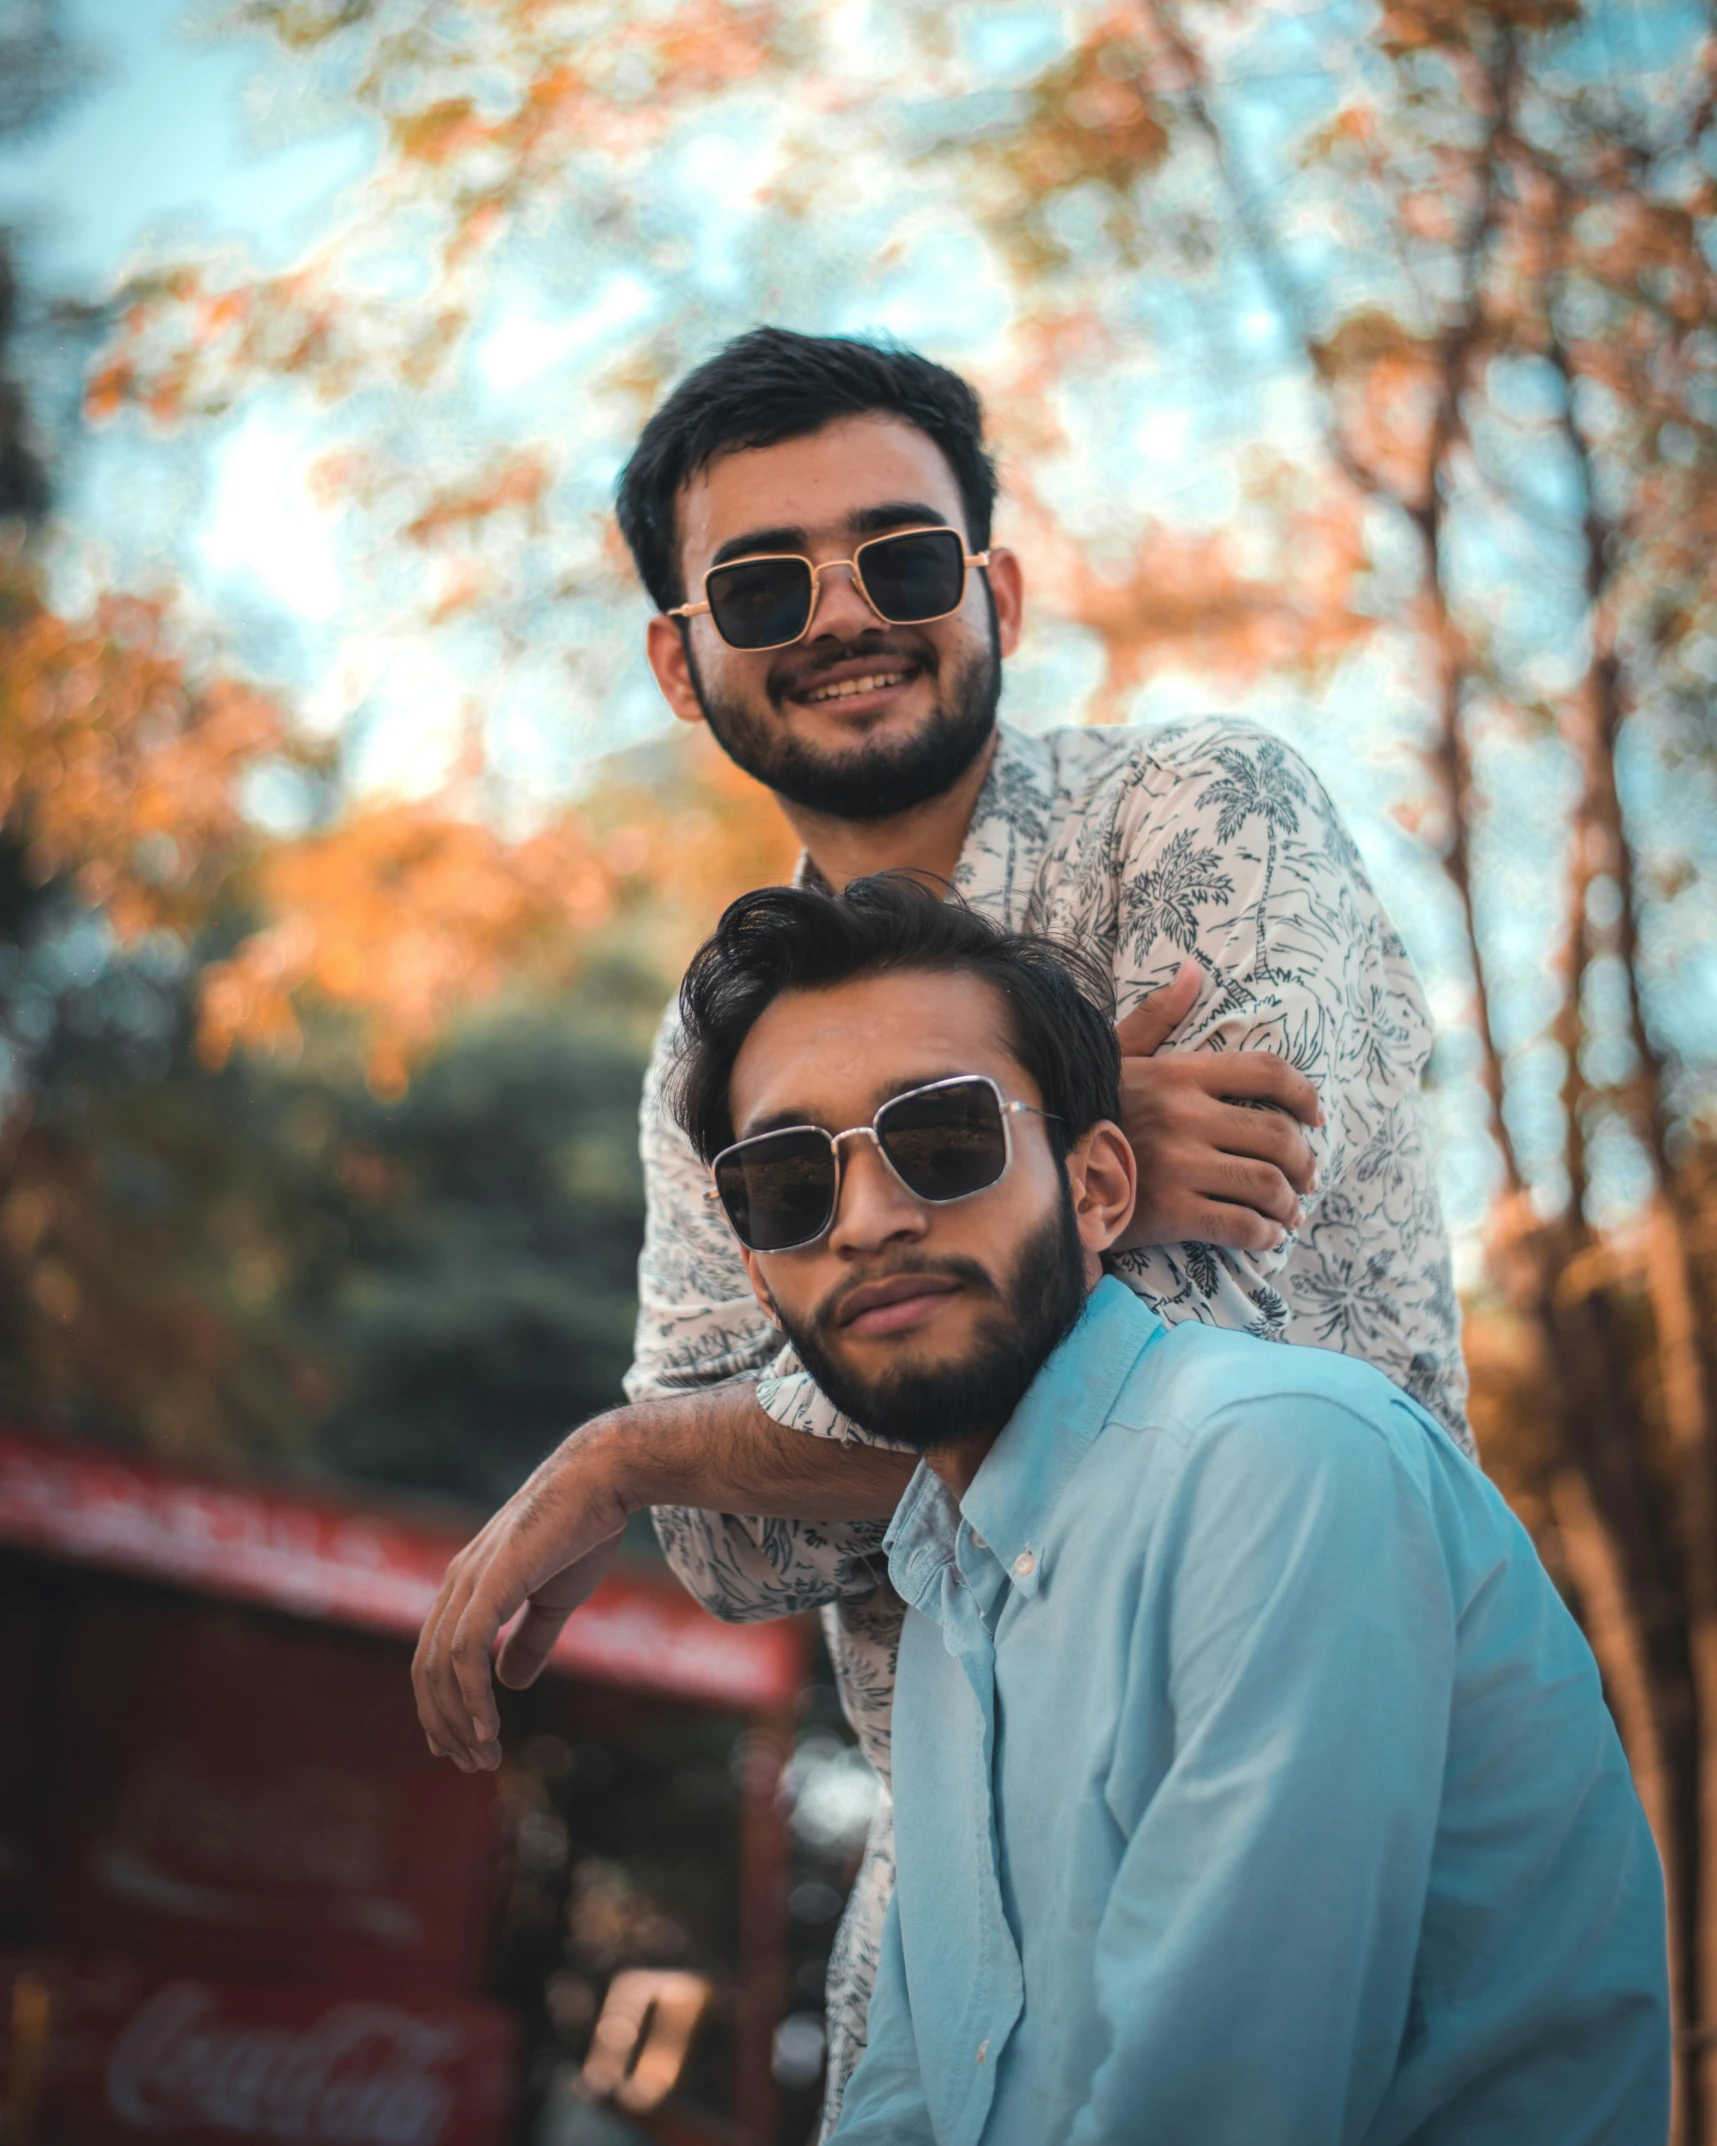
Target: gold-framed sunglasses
(943,1142)
(908,577)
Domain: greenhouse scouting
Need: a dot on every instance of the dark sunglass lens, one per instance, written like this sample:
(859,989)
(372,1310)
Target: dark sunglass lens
(945,1142)
(914,577)
(778,1190)
(759,603)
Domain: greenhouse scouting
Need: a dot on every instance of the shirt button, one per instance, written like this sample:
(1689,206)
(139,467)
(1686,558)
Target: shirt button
(979,1540)
(1025,1564)
(983,2049)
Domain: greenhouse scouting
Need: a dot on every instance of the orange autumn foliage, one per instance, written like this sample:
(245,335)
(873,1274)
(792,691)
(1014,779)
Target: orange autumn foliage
(118,771)
(406,913)
(400,913)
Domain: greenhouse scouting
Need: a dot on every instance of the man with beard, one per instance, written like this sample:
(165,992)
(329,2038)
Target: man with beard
(1251,1781)
(811,517)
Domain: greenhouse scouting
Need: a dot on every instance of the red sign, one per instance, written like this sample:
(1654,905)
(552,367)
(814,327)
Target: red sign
(131,2055)
(349,1565)
(254,1801)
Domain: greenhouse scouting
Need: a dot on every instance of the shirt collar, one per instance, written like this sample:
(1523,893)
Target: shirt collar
(1013,1496)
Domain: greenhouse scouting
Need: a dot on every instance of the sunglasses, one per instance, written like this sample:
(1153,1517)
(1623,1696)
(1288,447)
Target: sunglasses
(943,1142)
(908,578)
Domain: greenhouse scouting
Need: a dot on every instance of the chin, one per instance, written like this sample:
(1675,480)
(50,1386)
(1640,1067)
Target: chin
(913,1355)
(828,727)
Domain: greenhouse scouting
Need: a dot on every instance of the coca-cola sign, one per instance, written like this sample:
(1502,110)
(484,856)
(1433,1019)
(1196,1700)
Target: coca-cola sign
(363,2074)
(132,2057)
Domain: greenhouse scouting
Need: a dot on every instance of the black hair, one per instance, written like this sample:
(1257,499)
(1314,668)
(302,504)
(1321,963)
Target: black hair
(771,385)
(1060,1005)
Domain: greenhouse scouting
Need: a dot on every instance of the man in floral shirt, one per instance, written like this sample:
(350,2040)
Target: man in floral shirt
(812,518)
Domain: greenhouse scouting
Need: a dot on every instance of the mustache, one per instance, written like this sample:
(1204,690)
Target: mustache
(803,667)
(953,1269)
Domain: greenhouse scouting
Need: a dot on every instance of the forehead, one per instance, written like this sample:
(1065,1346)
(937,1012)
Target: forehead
(816,484)
(830,1057)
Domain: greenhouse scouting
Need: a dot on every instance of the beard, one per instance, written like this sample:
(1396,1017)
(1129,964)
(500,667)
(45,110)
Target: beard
(1033,1314)
(867,782)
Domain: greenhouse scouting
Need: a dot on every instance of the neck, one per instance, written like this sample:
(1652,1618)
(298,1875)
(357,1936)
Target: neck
(928,838)
(958,1464)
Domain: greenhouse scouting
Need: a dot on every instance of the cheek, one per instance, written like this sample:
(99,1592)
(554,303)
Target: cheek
(796,1284)
(983,1228)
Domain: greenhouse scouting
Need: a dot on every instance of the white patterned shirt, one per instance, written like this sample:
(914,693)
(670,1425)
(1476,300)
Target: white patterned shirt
(1209,840)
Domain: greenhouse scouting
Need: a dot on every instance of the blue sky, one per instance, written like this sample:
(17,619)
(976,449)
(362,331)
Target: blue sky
(157,152)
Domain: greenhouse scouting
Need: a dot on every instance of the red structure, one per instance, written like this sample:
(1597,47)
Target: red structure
(258,1910)
(357,1566)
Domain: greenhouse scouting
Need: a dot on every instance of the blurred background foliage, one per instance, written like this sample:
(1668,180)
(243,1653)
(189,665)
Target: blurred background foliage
(1354,364)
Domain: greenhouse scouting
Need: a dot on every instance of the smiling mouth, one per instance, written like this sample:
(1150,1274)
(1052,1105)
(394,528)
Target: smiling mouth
(851,688)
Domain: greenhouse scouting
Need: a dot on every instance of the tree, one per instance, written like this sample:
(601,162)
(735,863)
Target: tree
(224,1227)
(1472,439)
(1539,297)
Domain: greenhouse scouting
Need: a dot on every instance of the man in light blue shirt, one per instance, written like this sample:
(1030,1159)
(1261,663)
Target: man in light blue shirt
(1252,1785)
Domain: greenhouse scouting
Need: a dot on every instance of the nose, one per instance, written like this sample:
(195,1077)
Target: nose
(838,608)
(874,1208)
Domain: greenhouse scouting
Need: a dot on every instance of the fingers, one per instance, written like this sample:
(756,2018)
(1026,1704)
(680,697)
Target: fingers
(469,1652)
(450,1668)
(528,1646)
(1202,1221)
(1257,1077)
(548,1545)
(1179,1131)
(1150,1024)
(531,1641)
(1237,1180)
(1265,1136)
(1236,1229)
(442,1717)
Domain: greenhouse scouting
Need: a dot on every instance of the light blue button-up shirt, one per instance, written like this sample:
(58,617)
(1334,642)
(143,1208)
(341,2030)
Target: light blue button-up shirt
(1252,1785)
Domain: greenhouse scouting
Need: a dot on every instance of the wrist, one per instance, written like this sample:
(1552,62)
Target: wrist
(651,1452)
(603,1459)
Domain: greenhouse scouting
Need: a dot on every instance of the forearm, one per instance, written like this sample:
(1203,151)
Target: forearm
(716,1450)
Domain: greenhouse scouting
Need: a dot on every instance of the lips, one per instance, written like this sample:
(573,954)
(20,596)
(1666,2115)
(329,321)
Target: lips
(855,677)
(851,688)
(887,1307)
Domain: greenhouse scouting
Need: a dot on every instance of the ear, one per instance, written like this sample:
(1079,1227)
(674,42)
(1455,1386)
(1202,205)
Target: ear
(1007,587)
(1105,1180)
(665,646)
(760,1288)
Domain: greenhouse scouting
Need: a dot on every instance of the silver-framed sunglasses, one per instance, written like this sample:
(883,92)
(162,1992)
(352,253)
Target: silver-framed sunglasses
(910,577)
(943,1142)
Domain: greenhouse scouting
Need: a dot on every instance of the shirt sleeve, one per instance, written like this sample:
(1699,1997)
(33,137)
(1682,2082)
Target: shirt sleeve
(1255,1959)
(885,2103)
(1230,853)
(698,1326)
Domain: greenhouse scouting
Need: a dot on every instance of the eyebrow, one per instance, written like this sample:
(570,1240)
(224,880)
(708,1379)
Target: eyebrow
(778,1121)
(866,522)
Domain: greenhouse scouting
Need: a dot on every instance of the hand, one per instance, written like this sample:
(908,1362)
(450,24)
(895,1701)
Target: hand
(545,1552)
(1211,1171)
